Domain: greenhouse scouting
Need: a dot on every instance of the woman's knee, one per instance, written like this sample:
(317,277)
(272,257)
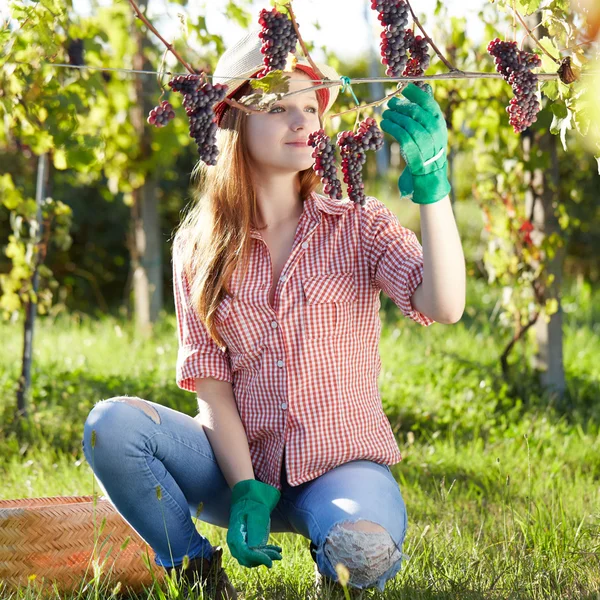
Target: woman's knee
(111,423)
(367,550)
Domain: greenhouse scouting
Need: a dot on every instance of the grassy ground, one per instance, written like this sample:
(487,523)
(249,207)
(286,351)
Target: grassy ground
(501,486)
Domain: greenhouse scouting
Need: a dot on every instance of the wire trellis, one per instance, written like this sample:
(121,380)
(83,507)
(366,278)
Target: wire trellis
(439,76)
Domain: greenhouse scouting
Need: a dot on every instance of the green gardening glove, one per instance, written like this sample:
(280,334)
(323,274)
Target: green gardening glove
(252,502)
(418,125)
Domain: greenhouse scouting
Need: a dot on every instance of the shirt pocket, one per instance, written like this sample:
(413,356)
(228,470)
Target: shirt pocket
(330,305)
(244,345)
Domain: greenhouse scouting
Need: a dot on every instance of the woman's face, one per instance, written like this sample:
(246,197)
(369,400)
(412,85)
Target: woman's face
(291,119)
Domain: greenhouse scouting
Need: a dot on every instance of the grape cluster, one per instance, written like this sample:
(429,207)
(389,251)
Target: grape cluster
(278,40)
(75,52)
(397,41)
(515,67)
(161,115)
(324,165)
(353,148)
(199,99)
(393,15)
(353,159)
(419,57)
(370,135)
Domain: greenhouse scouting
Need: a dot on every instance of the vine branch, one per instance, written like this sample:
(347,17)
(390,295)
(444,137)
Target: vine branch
(151,27)
(430,41)
(530,34)
(362,106)
(301,41)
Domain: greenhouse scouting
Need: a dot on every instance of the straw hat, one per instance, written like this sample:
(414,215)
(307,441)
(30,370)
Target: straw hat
(244,59)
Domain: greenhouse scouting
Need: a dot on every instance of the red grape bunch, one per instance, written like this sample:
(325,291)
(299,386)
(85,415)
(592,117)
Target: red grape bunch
(353,158)
(370,135)
(161,115)
(515,67)
(199,99)
(324,165)
(353,149)
(393,15)
(419,57)
(279,39)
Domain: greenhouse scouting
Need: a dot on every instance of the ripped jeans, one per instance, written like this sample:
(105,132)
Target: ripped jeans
(354,514)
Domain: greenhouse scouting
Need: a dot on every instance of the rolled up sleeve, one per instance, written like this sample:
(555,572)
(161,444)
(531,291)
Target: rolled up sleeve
(394,255)
(198,354)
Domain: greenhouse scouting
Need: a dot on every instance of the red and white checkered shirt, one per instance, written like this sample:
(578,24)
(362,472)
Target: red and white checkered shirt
(305,375)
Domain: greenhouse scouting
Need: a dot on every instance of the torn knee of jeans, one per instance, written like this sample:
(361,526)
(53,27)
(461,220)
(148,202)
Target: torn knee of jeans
(139,403)
(367,554)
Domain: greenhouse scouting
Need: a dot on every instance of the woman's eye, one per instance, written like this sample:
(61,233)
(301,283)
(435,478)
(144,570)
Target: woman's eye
(310,107)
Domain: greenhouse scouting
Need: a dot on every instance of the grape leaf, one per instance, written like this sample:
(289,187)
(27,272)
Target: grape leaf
(561,124)
(559,109)
(232,11)
(582,117)
(527,7)
(550,89)
(275,81)
(548,44)
(557,27)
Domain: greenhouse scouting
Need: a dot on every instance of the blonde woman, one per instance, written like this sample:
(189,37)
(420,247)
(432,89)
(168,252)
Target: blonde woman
(277,301)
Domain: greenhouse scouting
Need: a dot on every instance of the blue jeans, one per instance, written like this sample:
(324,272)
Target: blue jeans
(140,445)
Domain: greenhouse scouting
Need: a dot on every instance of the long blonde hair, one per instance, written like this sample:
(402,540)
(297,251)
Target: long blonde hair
(214,236)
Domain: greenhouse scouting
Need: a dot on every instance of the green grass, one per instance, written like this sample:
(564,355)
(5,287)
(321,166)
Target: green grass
(501,484)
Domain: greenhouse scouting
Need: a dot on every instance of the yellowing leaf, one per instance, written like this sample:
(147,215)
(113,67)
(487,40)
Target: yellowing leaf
(60,159)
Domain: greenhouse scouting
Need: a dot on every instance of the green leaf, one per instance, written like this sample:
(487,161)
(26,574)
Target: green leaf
(582,117)
(548,44)
(550,89)
(275,82)
(559,109)
(558,27)
(527,7)
(235,13)
(560,125)
(60,159)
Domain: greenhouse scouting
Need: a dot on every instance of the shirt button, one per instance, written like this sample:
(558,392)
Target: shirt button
(273,324)
(284,405)
(305,244)
(282,278)
(280,363)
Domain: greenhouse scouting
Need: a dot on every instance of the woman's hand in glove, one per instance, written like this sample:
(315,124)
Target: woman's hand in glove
(418,125)
(252,502)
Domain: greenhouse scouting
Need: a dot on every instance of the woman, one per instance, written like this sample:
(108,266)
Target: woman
(277,302)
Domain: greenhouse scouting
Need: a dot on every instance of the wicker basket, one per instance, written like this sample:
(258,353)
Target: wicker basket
(53,539)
